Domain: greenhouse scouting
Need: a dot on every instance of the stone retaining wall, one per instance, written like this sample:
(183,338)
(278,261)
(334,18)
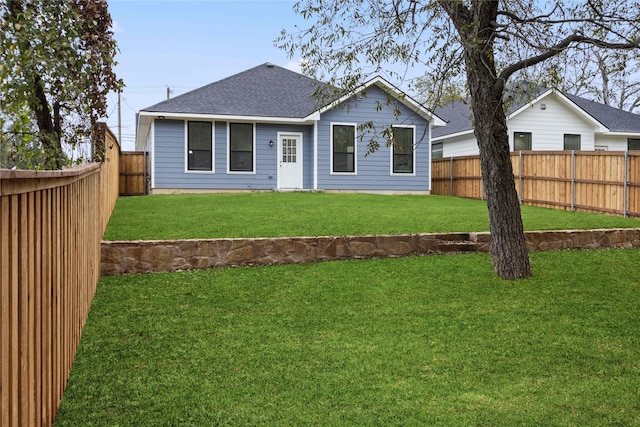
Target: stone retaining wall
(150,256)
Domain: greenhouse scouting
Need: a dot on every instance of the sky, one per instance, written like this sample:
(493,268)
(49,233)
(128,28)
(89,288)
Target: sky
(184,45)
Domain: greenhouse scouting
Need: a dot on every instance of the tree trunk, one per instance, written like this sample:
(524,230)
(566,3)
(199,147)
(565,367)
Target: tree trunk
(508,244)
(476,27)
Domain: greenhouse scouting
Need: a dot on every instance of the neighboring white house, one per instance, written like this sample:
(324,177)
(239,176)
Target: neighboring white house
(551,121)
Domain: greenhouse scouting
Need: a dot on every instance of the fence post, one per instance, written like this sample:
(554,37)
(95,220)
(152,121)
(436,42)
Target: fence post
(520,178)
(597,184)
(451,177)
(626,183)
(573,180)
(144,177)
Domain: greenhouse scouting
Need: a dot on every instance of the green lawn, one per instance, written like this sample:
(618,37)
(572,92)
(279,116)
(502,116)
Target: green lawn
(436,340)
(320,214)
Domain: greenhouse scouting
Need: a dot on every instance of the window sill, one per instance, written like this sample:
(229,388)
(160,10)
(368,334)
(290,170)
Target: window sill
(197,172)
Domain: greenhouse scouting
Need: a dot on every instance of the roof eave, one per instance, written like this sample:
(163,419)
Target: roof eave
(452,135)
(598,126)
(631,134)
(143,125)
(229,117)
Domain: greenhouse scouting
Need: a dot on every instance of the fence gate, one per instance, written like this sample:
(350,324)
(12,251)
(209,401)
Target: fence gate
(134,173)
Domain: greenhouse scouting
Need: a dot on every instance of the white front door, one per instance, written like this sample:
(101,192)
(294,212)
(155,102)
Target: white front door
(289,161)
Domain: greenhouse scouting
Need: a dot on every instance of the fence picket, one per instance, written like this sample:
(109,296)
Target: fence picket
(590,181)
(51,223)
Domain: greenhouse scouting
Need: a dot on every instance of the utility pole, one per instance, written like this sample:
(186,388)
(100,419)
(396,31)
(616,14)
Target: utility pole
(119,120)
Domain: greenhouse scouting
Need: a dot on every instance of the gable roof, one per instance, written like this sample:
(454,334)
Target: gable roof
(459,116)
(263,91)
(394,93)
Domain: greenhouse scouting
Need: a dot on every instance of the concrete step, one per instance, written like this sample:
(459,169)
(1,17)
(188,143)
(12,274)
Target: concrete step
(451,246)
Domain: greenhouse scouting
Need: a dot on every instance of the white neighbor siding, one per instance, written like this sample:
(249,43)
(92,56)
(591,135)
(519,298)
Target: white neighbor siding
(612,142)
(548,126)
(464,145)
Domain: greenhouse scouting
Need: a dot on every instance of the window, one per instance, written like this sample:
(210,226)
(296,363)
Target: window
(199,142)
(571,142)
(402,150)
(344,148)
(521,141)
(240,147)
(437,150)
(633,144)
(289,150)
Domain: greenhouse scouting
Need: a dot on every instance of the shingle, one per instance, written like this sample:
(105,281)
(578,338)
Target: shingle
(459,117)
(614,119)
(265,91)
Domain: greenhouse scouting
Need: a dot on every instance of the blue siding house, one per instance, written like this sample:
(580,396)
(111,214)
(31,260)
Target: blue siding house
(262,129)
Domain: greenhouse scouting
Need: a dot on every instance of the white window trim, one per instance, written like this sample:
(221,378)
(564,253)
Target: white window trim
(255,166)
(392,173)
(355,148)
(315,155)
(186,148)
(151,147)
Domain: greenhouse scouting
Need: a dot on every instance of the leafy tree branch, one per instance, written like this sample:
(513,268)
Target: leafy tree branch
(56,69)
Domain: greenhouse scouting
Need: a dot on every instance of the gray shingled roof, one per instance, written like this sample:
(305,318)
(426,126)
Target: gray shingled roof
(264,91)
(459,117)
(614,119)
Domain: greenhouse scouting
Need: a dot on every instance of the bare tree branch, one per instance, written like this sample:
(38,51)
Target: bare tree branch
(564,44)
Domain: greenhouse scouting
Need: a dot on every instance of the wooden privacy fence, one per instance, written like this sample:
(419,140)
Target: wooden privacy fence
(590,181)
(134,173)
(51,224)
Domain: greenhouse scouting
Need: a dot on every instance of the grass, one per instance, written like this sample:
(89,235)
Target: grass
(320,214)
(436,340)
